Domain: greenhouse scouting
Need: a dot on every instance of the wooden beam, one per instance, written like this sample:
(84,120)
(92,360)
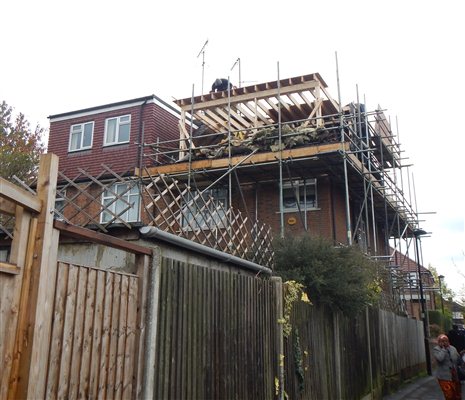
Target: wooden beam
(39,297)
(7,206)
(23,238)
(9,268)
(19,196)
(242,98)
(78,232)
(258,158)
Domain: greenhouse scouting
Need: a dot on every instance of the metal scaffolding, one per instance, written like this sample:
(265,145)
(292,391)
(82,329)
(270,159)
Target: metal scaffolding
(295,126)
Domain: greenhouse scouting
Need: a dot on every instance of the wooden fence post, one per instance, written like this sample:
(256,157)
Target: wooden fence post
(153,298)
(28,381)
(278,285)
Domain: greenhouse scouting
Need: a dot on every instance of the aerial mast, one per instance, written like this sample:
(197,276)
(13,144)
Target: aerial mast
(238,63)
(202,51)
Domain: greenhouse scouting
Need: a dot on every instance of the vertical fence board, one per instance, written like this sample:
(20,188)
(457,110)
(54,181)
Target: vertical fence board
(68,329)
(56,342)
(83,389)
(129,351)
(97,334)
(106,333)
(114,333)
(121,336)
(78,332)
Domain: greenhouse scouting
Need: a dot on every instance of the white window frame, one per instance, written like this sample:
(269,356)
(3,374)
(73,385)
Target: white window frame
(60,202)
(131,195)
(299,186)
(412,279)
(81,142)
(210,219)
(119,124)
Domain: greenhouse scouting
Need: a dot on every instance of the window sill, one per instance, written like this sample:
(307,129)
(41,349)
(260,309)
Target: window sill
(297,210)
(124,144)
(80,151)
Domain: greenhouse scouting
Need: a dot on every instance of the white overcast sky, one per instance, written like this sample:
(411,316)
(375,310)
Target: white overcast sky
(408,56)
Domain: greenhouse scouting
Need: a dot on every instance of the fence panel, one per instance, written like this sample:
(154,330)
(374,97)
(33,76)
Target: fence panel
(217,334)
(329,356)
(92,350)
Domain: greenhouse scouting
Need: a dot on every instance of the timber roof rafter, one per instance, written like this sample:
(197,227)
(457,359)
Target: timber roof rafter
(298,98)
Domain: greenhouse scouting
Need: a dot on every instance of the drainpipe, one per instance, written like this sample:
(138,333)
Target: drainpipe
(141,135)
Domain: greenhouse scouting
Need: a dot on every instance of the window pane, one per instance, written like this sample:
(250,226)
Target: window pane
(120,189)
(308,198)
(120,206)
(111,131)
(123,133)
(133,214)
(124,118)
(289,198)
(87,141)
(106,216)
(75,141)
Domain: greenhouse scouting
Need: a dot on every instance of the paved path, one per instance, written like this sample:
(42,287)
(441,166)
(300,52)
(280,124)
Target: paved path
(421,389)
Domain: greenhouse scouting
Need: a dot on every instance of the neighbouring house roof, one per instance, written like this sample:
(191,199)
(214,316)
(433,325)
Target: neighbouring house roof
(405,263)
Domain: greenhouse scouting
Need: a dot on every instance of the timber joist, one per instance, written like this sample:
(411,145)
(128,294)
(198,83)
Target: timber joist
(286,100)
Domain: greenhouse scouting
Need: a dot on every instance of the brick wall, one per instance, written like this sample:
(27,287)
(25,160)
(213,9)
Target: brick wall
(157,122)
(328,220)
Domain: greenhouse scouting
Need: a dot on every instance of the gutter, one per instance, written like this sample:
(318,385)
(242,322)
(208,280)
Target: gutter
(153,232)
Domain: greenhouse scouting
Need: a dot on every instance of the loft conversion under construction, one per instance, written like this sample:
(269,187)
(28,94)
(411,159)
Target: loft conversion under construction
(287,154)
(231,169)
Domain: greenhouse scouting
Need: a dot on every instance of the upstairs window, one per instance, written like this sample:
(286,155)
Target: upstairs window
(301,193)
(117,130)
(80,137)
(122,203)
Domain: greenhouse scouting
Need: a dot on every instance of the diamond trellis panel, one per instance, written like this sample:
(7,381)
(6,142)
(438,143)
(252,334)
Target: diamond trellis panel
(112,199)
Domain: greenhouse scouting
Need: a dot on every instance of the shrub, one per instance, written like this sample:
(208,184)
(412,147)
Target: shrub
(341,277)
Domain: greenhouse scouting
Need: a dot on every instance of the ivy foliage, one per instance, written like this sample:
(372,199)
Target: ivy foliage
(20,146)
(341,277)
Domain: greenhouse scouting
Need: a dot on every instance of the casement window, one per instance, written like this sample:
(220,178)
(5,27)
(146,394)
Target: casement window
(412,279)
(117,130)
(206,211)
(300,193)
(80,137)
(120,203)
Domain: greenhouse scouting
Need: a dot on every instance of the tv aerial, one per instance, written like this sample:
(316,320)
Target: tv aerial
(202,52)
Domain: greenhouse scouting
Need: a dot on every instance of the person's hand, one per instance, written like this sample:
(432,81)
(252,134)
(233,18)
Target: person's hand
(443,342)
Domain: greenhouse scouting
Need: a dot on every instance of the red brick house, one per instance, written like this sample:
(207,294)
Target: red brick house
(100,146)
(111,134)
(283,152)
(405,277)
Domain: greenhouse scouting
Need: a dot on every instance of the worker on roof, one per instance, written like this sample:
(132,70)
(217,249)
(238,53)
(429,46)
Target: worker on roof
(221,84)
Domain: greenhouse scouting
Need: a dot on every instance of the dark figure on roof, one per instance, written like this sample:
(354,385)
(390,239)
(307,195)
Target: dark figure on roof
(221,84)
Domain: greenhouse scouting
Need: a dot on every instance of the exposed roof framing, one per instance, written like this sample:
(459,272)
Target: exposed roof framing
(298,98)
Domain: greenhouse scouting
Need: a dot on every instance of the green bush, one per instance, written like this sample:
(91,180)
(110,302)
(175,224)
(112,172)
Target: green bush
(341,277)
(444,322)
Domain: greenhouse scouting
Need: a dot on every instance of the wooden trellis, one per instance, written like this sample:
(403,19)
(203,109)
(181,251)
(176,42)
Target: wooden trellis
(177,208)
(162,202)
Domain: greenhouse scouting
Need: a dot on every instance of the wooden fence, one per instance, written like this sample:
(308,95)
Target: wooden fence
(218,335)
(93,340)
(329,356)
(66,331)
(173,330)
